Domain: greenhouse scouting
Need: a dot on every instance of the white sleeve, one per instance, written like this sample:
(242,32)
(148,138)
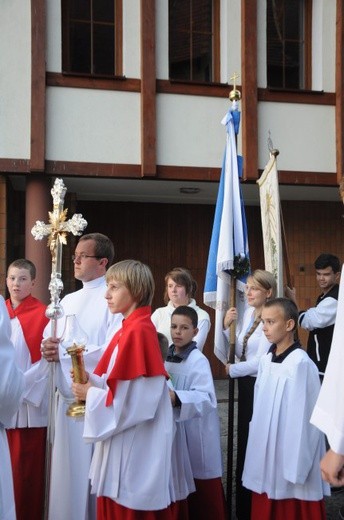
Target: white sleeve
(11,378)
(135,401)
(323,315)
(200,398)
(201,336)
(250,367)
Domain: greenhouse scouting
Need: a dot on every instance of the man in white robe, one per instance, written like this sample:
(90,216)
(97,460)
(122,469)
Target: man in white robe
(71,457)
(11,388)
(328,413)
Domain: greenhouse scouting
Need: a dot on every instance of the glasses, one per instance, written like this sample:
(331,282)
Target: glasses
(83,256)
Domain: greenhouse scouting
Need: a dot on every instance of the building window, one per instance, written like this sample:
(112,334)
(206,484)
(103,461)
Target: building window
(92,37)
(289,44)
(194,28)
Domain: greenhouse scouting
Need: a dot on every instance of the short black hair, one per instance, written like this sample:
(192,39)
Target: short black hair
(327,260)
(185,310)
(289,308)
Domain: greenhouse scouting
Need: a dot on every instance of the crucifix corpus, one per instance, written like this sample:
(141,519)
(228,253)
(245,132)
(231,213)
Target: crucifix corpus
(56,231)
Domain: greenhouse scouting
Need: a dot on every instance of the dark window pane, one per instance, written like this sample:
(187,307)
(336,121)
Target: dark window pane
(293,20)
(103,49)
(80,9)
(180,65)
(103,11)
(201,58)
(202,16)
(80,47)
(179,16)
(191,39)
(286,43)
(292,64)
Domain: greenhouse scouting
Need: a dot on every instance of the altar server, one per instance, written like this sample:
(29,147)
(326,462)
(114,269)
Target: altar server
(128,409)
(195,411)
(26,432)
(284,449)
(71,456)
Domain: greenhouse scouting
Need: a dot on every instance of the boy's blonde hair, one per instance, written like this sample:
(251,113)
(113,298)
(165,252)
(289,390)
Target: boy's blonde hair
(137,277)
(23,263)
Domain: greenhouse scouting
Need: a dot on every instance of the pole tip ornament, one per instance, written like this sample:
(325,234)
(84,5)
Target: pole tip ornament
(234,95)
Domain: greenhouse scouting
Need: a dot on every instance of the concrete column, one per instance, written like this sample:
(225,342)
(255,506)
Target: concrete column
(38,204)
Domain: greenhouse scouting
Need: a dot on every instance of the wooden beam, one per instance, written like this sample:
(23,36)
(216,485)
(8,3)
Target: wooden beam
(38,28)
(249,127)
(148,89)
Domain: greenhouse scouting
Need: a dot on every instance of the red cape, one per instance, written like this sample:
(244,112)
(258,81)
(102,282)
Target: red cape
(138,352)
(31,315)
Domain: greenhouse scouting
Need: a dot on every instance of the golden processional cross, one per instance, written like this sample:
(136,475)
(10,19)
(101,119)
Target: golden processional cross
(56,231)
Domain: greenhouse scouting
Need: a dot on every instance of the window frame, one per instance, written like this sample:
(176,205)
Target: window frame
(118,43)
(307,52)
(215,49)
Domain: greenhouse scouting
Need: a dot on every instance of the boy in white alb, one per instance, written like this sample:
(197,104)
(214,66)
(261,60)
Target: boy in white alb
(71,457)
(284,449)
(128,409)
(27,429)
(195,409)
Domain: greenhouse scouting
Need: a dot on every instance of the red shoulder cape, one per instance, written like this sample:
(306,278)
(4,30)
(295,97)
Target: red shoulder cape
(31,315)
(138,352)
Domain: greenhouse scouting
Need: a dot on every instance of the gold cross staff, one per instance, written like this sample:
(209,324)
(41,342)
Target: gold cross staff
(56,231)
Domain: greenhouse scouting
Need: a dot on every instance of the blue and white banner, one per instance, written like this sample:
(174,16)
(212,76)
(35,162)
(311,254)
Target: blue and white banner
(229,237)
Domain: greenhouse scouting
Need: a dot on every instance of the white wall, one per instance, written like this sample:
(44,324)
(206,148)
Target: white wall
(15,78)
(304,135)
(189,130)
(93,126)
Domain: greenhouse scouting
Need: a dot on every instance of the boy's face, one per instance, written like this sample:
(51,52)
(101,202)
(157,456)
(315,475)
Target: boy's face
(182,331)
(19,283)
(326,278)
(119,298)
(276,328)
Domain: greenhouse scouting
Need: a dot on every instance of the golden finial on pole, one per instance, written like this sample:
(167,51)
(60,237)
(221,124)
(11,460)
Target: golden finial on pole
(234,95)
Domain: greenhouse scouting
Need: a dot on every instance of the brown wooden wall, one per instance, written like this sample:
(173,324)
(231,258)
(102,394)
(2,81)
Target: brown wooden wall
(169,235)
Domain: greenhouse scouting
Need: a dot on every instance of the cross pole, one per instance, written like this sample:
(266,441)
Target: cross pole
(56,232)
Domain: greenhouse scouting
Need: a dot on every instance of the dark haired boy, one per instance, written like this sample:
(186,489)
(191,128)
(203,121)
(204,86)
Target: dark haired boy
(284,450)
(195,410)
(26,431)
(319,320)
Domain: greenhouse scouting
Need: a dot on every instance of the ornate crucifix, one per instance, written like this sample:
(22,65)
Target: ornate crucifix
(56,231)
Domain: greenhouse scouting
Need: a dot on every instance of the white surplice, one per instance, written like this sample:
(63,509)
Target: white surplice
(71,456)
(131,463)
(11,388)
(32,412)
(284,449)
(193,383)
